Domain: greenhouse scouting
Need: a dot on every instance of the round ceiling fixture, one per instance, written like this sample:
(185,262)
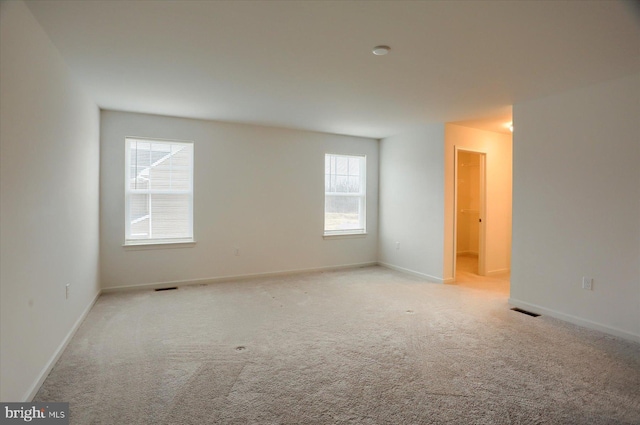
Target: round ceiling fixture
(381,50)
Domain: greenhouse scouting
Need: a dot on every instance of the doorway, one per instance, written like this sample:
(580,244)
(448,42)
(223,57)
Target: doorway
(469,228)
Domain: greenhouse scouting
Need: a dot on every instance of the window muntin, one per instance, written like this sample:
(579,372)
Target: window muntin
(158,192)
(344,194)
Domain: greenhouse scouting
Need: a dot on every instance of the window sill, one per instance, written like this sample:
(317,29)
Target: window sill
(138,246)
(344,235)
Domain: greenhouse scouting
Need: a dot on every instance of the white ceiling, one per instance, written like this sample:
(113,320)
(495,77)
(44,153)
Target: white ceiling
(308,64)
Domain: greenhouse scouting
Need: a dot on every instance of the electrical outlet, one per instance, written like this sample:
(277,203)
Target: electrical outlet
(397,245)
(587,283)
(67,290)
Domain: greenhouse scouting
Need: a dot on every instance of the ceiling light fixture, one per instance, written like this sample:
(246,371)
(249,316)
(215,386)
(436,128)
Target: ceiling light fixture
(381,50)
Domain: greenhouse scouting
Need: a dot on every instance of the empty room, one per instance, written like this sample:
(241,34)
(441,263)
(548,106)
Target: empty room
(320,212)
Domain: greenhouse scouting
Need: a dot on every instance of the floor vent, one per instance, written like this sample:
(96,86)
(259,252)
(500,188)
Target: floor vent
(166,289)
(528,313)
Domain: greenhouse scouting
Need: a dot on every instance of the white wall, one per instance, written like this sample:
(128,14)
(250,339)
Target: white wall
(49,147)
(498,150)
(412,200)
(259,189)
(576,206)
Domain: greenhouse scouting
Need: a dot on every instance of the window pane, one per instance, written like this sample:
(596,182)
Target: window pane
(354,166)
(160,190)
(344,174)
(181,156)
(170,216)
(133,158)
(342,184)
(141,154)
(159,152)
(142,178)
(180,178)
(160,174)
(139,216)
(139,206)
(132,174)
(342,165)
(354,184)
(342,213)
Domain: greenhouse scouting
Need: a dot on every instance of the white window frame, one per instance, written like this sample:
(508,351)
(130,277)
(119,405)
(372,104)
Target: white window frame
(362,196)
(128,240)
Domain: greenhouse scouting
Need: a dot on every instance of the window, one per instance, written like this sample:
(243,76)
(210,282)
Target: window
(159,191)
(344,194)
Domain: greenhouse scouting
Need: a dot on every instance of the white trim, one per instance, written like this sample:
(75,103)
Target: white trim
(161,139)
(482,212)
(35,387)
(575,320)
(413,273)
(157,244)
(344,235)
(497,272)
(159,192)
(249,276)
(352,194)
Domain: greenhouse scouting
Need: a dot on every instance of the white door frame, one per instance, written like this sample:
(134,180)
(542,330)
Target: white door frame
(482,243)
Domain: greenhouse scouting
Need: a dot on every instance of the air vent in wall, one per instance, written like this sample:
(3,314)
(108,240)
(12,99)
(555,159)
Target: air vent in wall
(528,313)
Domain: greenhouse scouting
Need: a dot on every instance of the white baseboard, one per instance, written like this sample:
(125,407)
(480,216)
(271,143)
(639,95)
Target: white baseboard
(575,320)
(31,393)
(232,277)
(497,272)
(412,272)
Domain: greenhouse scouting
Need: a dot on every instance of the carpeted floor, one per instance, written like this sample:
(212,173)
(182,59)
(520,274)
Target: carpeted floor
(362,346)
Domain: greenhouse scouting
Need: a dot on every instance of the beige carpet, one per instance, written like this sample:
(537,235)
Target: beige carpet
(363,346)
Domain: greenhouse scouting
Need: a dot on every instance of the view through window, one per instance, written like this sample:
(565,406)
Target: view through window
(159,191)
(344,194)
